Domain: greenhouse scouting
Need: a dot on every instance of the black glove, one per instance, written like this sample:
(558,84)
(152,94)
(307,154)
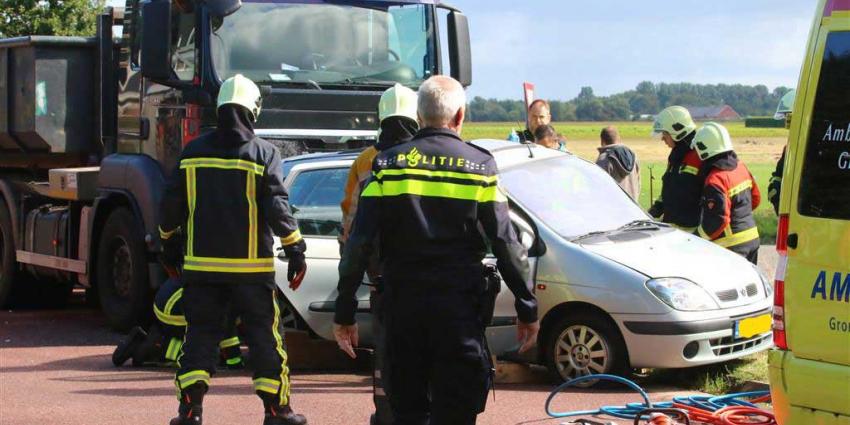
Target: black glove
(297,264)
(657,210)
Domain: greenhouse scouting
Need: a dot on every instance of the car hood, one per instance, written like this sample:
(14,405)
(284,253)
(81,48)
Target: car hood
(673,253)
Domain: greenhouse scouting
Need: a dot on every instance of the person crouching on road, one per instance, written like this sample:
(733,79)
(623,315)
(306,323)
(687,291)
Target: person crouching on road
(227,199)
(681,184)
(619,161)
(163,341)
(430,200)
(729,196)
(397,112)
(545,135)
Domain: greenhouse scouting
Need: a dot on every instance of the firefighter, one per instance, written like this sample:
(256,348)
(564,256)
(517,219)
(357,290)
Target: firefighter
(162,342)
(397,114)
(226,199)
(681,184)
(432,201)
(783,112)
(729,196)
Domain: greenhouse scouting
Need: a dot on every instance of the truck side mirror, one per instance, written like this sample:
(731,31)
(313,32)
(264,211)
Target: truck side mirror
(156,40)
(222,8)
(460,52)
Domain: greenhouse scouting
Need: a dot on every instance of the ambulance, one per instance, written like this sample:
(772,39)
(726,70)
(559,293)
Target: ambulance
(810,364)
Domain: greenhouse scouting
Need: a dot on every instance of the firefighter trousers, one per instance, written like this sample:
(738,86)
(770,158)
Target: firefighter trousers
(206,306)
(438,369)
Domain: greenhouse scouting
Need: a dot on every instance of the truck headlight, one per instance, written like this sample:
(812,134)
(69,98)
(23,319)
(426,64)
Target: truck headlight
(681,294)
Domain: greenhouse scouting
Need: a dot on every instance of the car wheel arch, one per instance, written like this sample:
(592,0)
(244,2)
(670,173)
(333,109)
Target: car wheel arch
(573,308)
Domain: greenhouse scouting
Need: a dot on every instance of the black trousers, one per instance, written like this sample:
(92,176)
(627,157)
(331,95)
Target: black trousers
(206,306)
(383,409)
(749,250)
(438,367)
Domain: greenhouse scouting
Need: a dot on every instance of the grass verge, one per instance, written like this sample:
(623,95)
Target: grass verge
(717,379)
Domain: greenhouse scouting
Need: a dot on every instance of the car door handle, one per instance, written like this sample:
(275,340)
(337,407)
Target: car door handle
(792,240)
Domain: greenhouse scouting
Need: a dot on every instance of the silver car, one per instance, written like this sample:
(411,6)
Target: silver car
(616,289)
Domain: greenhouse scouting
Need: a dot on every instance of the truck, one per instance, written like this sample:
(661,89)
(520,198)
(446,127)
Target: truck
(92,127)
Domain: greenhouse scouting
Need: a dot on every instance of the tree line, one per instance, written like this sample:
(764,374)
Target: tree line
(646,99)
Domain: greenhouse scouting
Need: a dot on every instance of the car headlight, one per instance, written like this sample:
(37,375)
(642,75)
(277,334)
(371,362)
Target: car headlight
(681,294)
(765,282)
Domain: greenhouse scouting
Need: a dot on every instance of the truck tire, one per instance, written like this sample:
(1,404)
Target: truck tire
(122,271)
(7,254)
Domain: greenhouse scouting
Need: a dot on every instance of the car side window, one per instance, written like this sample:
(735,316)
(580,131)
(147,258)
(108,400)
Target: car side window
(315,196)
(825,183)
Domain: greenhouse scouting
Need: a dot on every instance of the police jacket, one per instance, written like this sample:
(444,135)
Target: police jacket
(431,202)
(681,187)
(227,198)
(728,199)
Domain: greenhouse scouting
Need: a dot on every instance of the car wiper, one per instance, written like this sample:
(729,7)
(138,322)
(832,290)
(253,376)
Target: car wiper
(642,223)
(591,234)
(305,83)
(368,81)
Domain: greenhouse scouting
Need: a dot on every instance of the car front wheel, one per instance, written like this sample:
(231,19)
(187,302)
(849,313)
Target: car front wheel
(584,344)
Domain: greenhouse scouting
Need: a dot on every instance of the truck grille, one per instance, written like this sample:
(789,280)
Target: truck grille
(726,345)
(730,295)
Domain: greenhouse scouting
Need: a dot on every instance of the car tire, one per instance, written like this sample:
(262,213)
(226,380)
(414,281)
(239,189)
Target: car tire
(7,255)
(122,272)
(584,343)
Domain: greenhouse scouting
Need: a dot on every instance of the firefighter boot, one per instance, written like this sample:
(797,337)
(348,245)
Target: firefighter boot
(127,346)
(191,401)
(277,414)
(150,349)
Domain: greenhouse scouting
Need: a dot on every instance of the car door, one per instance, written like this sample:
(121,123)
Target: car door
(315,192)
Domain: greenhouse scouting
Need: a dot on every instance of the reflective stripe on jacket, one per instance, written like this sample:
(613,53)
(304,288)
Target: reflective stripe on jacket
(229,201)
(728,200)
(681,187)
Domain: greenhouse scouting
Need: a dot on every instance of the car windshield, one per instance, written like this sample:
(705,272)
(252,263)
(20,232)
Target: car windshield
(317,43)
(570,196)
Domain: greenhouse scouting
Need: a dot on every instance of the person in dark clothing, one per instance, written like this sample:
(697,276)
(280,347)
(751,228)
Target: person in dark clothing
(431,202)
(619,162)
(539,114)
(163,341)
(730,194)
(227,201)
(681,185)
(545,135)
(774,187)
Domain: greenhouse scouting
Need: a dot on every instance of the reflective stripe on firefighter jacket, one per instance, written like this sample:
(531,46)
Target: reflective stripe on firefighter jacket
(428,202)
(229,201)
(681,187)
(729,197)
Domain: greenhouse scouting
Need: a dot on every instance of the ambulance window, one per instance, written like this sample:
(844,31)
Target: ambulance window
(825,183)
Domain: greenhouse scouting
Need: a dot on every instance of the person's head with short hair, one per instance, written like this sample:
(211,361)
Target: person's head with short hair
(539,113)
(545,135)
(609,136)
(442,103)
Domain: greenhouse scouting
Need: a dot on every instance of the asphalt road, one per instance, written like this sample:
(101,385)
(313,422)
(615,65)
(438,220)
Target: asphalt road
(55,369)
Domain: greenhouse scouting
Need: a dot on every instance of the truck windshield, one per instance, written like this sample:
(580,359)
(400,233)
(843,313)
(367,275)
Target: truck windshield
(351,43)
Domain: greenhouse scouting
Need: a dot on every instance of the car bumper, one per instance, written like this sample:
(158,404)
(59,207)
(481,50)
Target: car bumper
(673,341)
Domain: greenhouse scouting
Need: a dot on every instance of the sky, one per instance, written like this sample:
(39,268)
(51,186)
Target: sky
(612,45)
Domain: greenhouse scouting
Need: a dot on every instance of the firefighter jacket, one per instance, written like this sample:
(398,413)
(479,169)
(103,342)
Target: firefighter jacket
(728,199)
(681,187)
(774,187)
(227,197)
(432,202)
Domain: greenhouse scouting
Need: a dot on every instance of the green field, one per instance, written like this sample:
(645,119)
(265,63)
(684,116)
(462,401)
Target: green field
(629,130)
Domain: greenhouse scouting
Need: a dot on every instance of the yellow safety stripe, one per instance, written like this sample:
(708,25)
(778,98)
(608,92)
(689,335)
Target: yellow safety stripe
(271,386)
(690,169)
(440,190)
(169,305)
(284,369)
(774,179)
(174,345)
(293,238)
(251,195)
(169,319)
(193,377)
(746,185)
(226,164)
(233,361)
(167,235)
(190,224)
(432,173)
(372,190)
(229,265)
(737,238)
(229,342)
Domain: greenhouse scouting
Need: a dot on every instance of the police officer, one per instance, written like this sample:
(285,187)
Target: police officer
(681,183)
(432,201)
(729,196)
(397,113)
(226,199)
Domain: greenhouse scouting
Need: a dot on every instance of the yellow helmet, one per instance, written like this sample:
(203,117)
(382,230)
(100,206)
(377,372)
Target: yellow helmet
(711,140)
(241,91)
(398,101)
(675,120)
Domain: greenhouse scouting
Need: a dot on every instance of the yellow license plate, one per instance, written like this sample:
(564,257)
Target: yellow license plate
(752,326)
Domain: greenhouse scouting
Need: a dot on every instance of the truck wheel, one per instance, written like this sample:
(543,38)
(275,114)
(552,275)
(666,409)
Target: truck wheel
(7,254)
(122,271)
(583,344)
